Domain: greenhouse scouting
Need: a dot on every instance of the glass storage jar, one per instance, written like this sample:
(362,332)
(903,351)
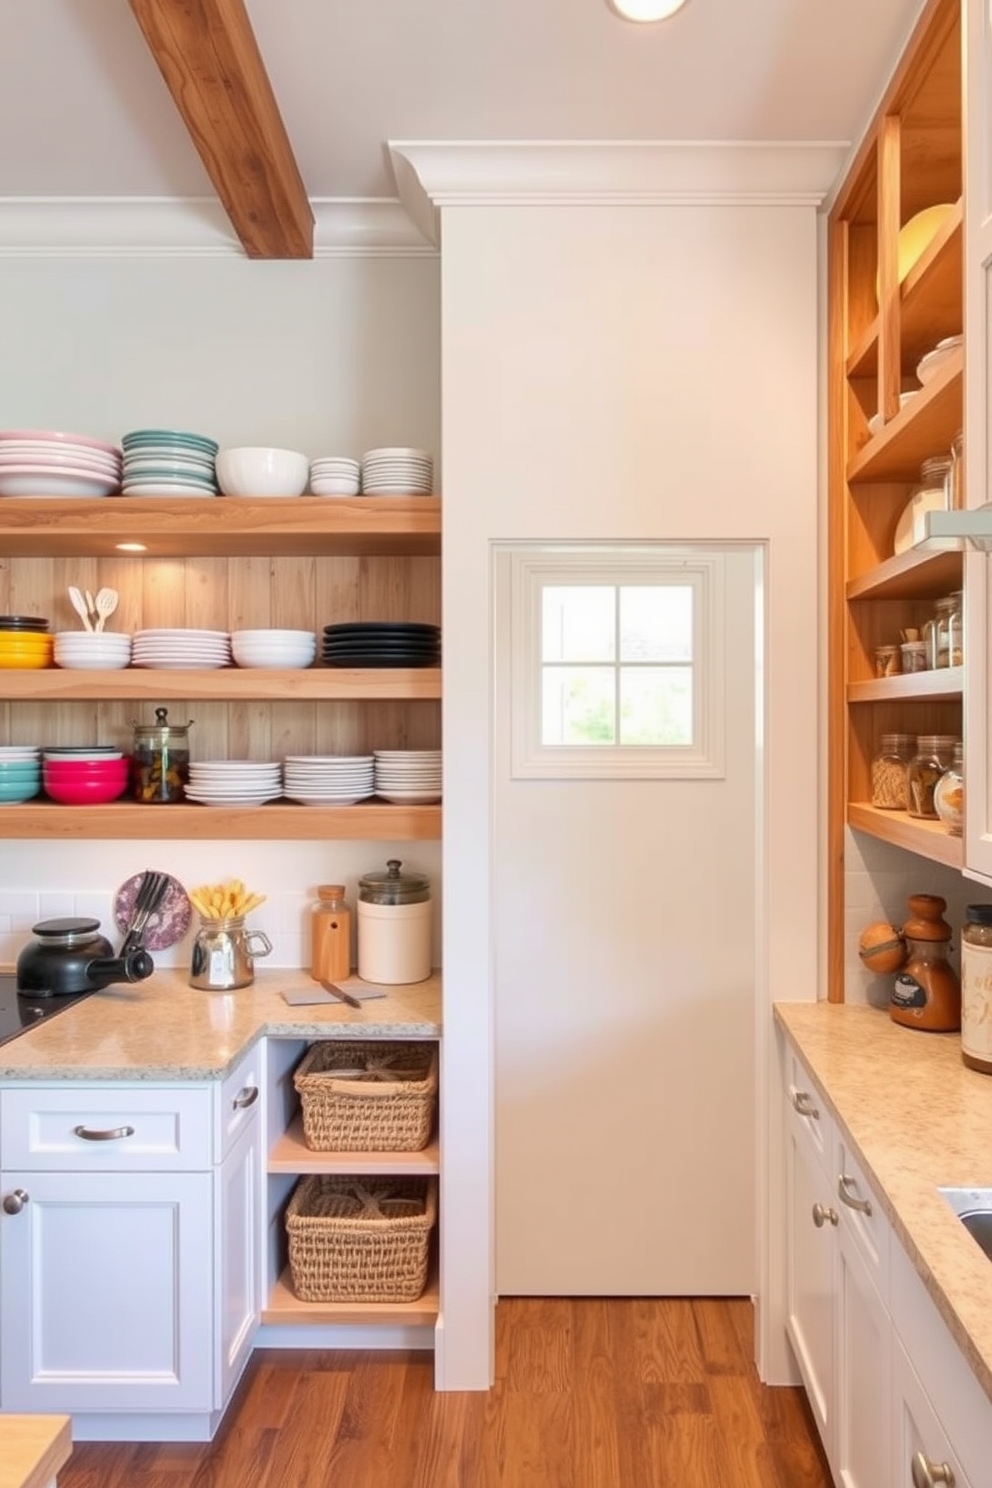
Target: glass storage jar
(934,754)
(888,771)
(948,794)
(954,480)
(160,760)
(976,988)
(943,632)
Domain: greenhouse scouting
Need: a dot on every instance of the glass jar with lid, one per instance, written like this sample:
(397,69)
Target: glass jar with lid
(934,753)
(976,988)
(954,480)
(943,631)
(933,475)
(160,760)
(888,771)
(948,794)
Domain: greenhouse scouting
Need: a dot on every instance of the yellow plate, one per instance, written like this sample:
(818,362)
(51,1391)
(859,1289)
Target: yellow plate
(24,663)
(916,235)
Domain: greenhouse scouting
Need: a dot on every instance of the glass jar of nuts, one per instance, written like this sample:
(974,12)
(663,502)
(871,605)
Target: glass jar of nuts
(888,771)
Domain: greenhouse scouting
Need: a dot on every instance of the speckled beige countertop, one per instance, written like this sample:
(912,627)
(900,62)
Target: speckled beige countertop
(164,1029)
(918,1120)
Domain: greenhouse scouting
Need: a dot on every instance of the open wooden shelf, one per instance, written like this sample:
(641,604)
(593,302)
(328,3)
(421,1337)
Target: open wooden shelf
(290,1154)
(222,684)
(926,424)
(222,526)
(941,685)
(375,821)
(913,575)
(930,839)
(286,1309)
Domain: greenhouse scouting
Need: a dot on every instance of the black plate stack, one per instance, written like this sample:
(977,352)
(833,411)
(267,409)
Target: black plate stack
(382,643)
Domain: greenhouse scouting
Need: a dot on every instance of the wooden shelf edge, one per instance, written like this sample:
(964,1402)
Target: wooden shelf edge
(290,1154)
(928,839)
(943,685)
(910,575)
(895,453)
(285,1308)
(223,684)
(375,822)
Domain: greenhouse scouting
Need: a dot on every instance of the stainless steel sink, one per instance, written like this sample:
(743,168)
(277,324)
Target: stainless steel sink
(973,1207)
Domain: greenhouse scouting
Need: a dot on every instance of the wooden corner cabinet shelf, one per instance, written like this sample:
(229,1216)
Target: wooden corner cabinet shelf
(884,316)
(226,564)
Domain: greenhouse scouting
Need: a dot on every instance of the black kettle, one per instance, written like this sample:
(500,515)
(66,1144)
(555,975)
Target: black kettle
(71,956)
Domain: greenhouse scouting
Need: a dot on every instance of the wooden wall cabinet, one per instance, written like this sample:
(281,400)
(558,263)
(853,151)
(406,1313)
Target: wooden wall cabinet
(226,564)
(880,326)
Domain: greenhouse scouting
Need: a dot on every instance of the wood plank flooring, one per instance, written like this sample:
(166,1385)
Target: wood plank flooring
(589,1393)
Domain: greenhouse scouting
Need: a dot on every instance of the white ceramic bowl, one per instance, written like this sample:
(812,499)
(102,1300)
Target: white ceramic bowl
(273,658)
(80,650)
(258,470)
(276,636)
(334,485)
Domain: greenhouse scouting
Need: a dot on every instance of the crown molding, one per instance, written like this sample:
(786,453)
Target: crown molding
(191,227)
(432,175)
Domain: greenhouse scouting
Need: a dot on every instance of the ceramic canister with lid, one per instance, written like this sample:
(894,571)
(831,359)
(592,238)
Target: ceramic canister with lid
(394,926)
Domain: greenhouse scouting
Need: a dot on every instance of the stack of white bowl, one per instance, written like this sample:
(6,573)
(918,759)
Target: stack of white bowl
(185,650)
(169,462)
(328,779)
(397,472)
(273,648)
(335,475)
(46,462)
(92,651)
(411,776)
(234,782)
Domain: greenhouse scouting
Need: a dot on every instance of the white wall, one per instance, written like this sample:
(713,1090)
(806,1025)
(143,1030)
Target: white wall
(622,372)
(334,355)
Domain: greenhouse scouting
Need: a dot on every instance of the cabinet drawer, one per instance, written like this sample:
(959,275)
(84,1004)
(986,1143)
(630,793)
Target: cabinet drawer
(861,1215)
(239,1101)
(108,1129)
(807,1111)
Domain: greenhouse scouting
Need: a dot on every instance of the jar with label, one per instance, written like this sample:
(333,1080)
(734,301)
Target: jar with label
(330,935)
(934,754)
(888,771)
(948,794)
(976,988)
(926,992)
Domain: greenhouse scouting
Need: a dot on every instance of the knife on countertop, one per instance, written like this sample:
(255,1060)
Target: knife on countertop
(330,990)
(341,995)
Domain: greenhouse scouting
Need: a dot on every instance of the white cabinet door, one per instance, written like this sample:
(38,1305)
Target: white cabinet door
(105,1290)
(238,1264)
(810,1313)
(863,1347)
(921,1452)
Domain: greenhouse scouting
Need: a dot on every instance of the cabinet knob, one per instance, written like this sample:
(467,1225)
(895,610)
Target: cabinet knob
(927,1473)
(246,1097)
(803,1102)
(14,1202)
(822,1215)
(845,1185)
(111,1134)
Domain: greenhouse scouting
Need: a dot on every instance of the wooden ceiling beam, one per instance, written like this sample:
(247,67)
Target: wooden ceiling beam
(208,55)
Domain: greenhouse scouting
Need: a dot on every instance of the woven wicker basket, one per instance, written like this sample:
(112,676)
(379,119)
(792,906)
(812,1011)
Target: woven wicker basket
(360,1239)
(373,1096)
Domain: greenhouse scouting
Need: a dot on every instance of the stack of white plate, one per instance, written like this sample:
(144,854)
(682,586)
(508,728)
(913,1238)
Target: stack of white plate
(335,475)
(81,650)
(46,462)
(410,776)
(942,353)
(328,779)
(273,648)
(397,472)
(185,650)
(234,782)
(169,462)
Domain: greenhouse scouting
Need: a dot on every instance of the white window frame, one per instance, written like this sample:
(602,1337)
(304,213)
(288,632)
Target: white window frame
(533,568)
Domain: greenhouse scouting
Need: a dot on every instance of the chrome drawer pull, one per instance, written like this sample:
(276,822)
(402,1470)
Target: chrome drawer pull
(246,1097)
(112,1135)
(822,1215)
(927,1473)
(803,1102)
(844,1187)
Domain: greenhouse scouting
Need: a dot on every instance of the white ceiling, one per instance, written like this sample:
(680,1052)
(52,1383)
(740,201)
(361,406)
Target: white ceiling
(84,110)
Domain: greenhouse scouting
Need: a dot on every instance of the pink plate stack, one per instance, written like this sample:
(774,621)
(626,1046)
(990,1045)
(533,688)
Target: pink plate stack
(46,462)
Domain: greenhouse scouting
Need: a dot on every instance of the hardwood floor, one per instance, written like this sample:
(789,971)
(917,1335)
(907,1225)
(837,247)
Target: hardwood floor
(589,1393)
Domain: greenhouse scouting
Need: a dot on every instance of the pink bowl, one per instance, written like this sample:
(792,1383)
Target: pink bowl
(84,792)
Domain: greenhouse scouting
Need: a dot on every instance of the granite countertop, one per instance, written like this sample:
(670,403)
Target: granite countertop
(164,1029)
(918,1120)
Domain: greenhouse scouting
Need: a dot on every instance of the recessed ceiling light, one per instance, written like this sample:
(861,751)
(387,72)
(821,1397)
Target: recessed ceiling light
(645,10)
(131,547)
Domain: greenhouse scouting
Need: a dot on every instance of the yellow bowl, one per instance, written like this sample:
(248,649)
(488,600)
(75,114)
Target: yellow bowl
(916,235)
(12,645)
(25,663)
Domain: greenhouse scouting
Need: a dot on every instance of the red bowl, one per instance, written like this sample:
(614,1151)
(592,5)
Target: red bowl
(84,769)
(84,792)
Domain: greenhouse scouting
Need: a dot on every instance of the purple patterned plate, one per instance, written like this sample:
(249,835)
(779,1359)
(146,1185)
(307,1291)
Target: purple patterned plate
(167,925)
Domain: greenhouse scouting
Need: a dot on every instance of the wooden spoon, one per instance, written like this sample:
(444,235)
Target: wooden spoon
(79,605)
(105,604)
